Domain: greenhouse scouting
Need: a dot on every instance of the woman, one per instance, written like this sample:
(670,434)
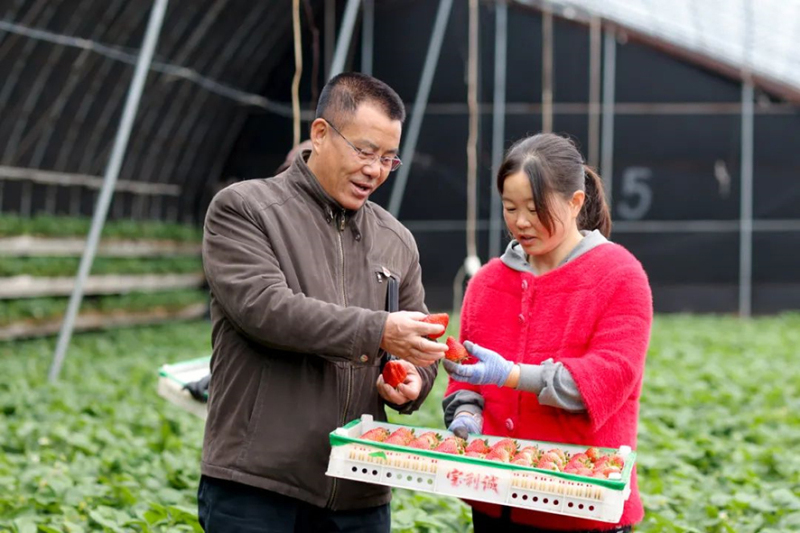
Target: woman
(559,325)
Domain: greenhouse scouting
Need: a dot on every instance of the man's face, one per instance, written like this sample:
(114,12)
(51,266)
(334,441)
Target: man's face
(340,169)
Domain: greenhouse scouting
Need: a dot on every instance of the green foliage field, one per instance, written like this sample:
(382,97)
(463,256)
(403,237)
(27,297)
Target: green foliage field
(33,310)
(67,266)
(53,226)
(720,426)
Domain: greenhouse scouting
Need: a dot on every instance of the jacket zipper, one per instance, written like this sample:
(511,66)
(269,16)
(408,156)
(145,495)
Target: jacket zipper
(341,224)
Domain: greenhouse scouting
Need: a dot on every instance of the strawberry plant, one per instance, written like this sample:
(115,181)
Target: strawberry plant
(719,426)
(52,226)
(68,266)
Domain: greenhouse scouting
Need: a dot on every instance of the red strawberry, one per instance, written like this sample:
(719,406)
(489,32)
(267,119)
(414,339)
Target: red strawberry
(401,436)
(475,454)
(533,451)
(377,434)
(455,351)
(527,458)
(593,454)
(616,460)
(499,454)
(426,441)
(548,465)
(506,444)
(439,318)
(478,446)
(394,373)
(451,445)
(580,459)
(562,456)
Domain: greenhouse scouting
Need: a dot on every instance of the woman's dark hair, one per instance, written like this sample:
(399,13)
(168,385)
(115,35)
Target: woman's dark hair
(342,95)
(554,165)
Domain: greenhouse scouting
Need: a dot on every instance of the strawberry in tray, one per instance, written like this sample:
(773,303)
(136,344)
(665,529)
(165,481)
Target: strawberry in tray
(394,373)
(452,445)
(426,441)
(478,446)
(402,437)
(378,434)
(438,318)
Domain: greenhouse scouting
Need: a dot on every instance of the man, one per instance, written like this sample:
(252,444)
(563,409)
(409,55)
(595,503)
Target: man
(298,267)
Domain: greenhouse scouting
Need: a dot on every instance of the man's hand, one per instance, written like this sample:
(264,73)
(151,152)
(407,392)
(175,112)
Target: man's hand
(405,337)
(406,391)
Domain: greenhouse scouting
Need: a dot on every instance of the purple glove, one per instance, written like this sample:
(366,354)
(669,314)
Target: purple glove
(491,368)
(465,423)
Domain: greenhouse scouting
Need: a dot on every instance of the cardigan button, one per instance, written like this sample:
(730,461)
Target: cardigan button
(509,424)
(521,318)
(524,284)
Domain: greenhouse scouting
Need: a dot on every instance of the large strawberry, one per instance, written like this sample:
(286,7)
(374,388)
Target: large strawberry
(452,445)
(499,454)
(478,446)
(378,434)
(401,436)
(593,453)
(439,318)
(426,441)
(455,351)
(509,445)
(394,373)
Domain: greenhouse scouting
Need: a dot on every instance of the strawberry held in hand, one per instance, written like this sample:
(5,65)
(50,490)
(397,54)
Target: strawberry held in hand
(394,373)
(441,319)
(455,351)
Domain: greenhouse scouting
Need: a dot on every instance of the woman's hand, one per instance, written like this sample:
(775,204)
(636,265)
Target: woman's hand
(491,368)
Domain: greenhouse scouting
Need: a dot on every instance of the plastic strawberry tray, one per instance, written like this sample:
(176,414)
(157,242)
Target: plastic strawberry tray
(172,378)
(479,479)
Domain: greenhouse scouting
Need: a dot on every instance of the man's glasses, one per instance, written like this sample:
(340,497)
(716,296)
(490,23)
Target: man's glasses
(389,163)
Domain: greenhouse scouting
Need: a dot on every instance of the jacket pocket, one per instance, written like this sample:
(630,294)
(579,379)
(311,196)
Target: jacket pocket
(379,281)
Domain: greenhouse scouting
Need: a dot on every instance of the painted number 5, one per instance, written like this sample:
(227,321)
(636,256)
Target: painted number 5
(636,195)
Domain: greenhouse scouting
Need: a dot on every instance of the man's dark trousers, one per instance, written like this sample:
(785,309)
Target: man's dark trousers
(229,507)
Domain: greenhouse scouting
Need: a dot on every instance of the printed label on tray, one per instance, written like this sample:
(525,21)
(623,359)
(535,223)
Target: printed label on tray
(469,481)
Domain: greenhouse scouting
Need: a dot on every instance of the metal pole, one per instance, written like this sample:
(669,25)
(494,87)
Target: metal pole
(109,181)
(420,102)
(596,45)
(547,71)
(609,75)
(746,204)
(330,35)
(367,36)
(345,36)
(498,122)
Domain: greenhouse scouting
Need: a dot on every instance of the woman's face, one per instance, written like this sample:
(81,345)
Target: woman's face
(522,221)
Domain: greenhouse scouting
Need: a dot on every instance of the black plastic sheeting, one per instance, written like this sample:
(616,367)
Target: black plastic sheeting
(668,166)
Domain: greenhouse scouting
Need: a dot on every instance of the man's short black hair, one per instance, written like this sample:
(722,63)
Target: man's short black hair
(342,95)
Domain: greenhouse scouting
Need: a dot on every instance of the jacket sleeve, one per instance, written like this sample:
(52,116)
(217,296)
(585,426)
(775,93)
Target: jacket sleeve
(412,298)
(611,371)
(246,280)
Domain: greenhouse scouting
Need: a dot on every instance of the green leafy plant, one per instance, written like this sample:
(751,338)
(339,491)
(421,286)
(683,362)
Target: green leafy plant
(68,266)
(54,226)
(100,451)
(41,309)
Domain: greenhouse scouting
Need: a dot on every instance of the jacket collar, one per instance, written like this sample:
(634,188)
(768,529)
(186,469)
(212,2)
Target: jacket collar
(307,182)
(516,258)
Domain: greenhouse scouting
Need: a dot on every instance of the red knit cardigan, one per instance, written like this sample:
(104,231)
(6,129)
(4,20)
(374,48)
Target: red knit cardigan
(592,314)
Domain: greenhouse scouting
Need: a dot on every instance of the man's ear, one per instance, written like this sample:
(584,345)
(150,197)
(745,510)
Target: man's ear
(319,131)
